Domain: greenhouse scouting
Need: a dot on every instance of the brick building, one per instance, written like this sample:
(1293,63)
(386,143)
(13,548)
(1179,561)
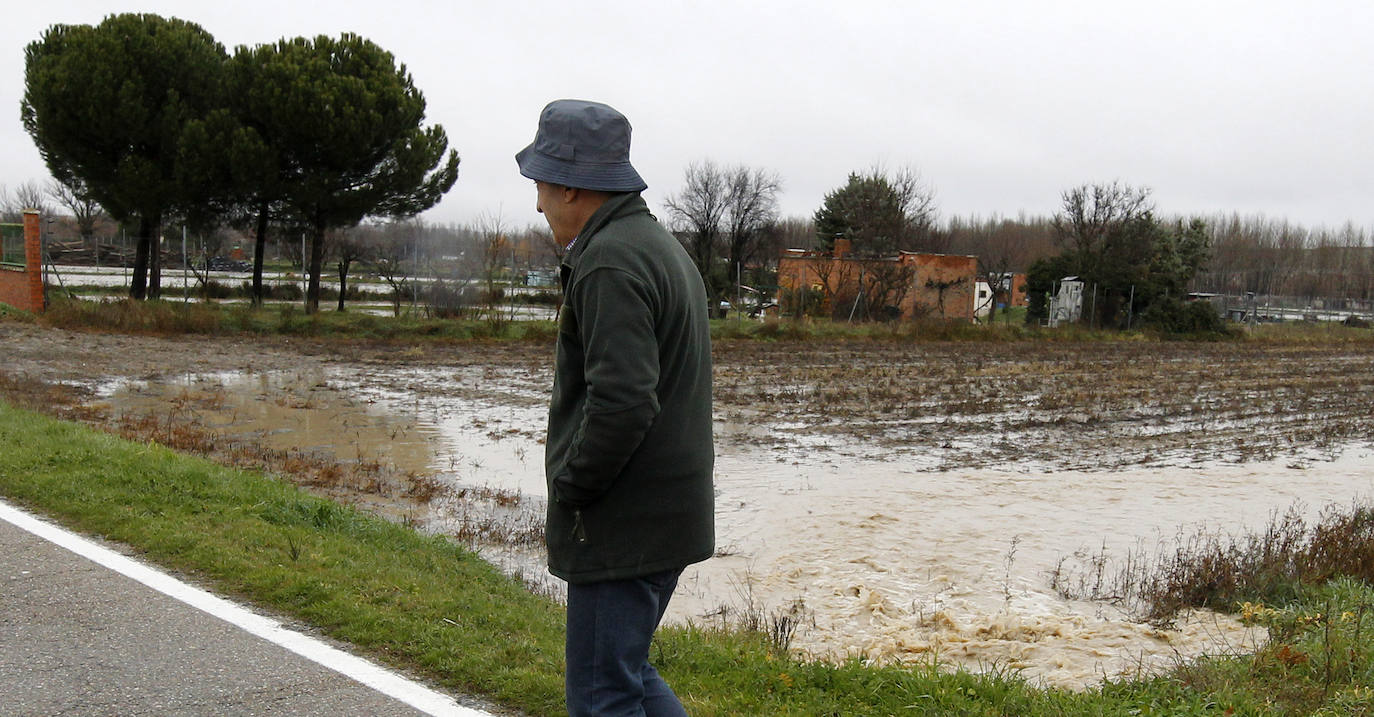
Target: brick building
(908,286)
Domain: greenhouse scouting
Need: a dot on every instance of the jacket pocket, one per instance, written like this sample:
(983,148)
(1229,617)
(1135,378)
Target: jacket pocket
(579,529)
(567,321)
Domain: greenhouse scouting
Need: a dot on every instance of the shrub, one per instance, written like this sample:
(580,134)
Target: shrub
(802,302)
(277,292)
(450,302)
(1220,571)
(135,317)
(1193,318)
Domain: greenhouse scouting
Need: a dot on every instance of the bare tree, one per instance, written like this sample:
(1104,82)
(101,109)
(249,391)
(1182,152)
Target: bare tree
(698,211)
(85,210)
(31,195)
(494,247)
(790,233)
(544,249)
(724,211)
(1003,247)
(751,205)
(395,258)
(917,202)
(1093,213)
(28,195)
(887,284)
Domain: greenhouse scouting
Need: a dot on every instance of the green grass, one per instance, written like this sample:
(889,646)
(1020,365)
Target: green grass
(413,600)
(164,318)
(422,603)
(9,313)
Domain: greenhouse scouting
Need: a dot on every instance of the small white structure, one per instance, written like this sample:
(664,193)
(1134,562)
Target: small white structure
(982,300)
(541,277)
(1066,306)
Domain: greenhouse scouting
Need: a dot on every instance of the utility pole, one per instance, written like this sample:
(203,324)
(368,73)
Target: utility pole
(1130,309)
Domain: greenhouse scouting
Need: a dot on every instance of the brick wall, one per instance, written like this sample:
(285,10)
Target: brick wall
(22,288)
(939,286)
(944,286)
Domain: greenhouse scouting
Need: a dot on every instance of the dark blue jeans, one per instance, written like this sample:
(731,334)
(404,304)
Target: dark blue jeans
(610,625)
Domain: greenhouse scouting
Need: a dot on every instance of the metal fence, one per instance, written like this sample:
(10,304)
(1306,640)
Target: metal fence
(12,244)
(1262,307)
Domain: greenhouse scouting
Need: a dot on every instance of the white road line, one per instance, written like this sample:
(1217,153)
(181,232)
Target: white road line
(378,678)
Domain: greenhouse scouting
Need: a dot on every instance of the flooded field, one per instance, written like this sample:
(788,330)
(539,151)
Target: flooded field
(900,502)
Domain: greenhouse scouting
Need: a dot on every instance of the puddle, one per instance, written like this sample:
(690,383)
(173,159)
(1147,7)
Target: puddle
(890,560)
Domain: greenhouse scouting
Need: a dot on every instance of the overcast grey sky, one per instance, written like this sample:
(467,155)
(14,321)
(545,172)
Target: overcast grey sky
(1248,106)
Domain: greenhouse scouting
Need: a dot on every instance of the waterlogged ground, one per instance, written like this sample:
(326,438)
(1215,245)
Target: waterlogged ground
(904,503)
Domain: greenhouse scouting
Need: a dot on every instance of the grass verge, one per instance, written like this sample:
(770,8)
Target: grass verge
(412,600)
(424,604)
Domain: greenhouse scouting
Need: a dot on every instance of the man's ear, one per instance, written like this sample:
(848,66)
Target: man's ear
(570,194)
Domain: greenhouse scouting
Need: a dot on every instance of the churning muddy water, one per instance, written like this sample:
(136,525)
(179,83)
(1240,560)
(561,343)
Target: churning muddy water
(876,554)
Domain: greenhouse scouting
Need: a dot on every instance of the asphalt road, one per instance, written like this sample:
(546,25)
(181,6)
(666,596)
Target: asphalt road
(78,637)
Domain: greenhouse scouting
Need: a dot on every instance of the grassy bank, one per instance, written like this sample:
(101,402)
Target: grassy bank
(169,318)
(421,603)
(176,317)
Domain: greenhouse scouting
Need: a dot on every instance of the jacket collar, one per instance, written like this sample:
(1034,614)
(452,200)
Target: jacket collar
(616,207)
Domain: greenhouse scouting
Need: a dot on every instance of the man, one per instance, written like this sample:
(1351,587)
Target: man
(629,450)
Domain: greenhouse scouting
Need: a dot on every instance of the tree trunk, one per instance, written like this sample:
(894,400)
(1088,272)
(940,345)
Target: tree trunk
(138,286)
(343,281)
(155,259)
(312,291)
(259,248)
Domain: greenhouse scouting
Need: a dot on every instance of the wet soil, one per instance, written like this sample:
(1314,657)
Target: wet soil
(904,500)
(944,405)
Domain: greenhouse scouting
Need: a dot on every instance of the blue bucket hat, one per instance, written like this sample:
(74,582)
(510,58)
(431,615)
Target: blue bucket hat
(584,145)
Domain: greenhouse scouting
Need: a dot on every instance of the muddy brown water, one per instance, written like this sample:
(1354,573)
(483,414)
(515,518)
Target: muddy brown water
(879,554)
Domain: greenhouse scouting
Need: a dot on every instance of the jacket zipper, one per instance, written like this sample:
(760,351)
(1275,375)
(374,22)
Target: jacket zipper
(579,530)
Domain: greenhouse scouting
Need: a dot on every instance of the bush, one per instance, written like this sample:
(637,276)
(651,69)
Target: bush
(451,302)
(215,290)
(1219,571)
(539,298)
(802,302)
(134,317)
(1193,318)
(275,292)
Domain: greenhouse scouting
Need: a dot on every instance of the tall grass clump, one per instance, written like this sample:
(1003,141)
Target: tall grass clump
(1219,571)
(133,317)
(1322,642)
(170,318)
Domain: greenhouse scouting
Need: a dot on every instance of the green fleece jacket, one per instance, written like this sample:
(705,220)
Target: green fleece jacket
(629,452)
